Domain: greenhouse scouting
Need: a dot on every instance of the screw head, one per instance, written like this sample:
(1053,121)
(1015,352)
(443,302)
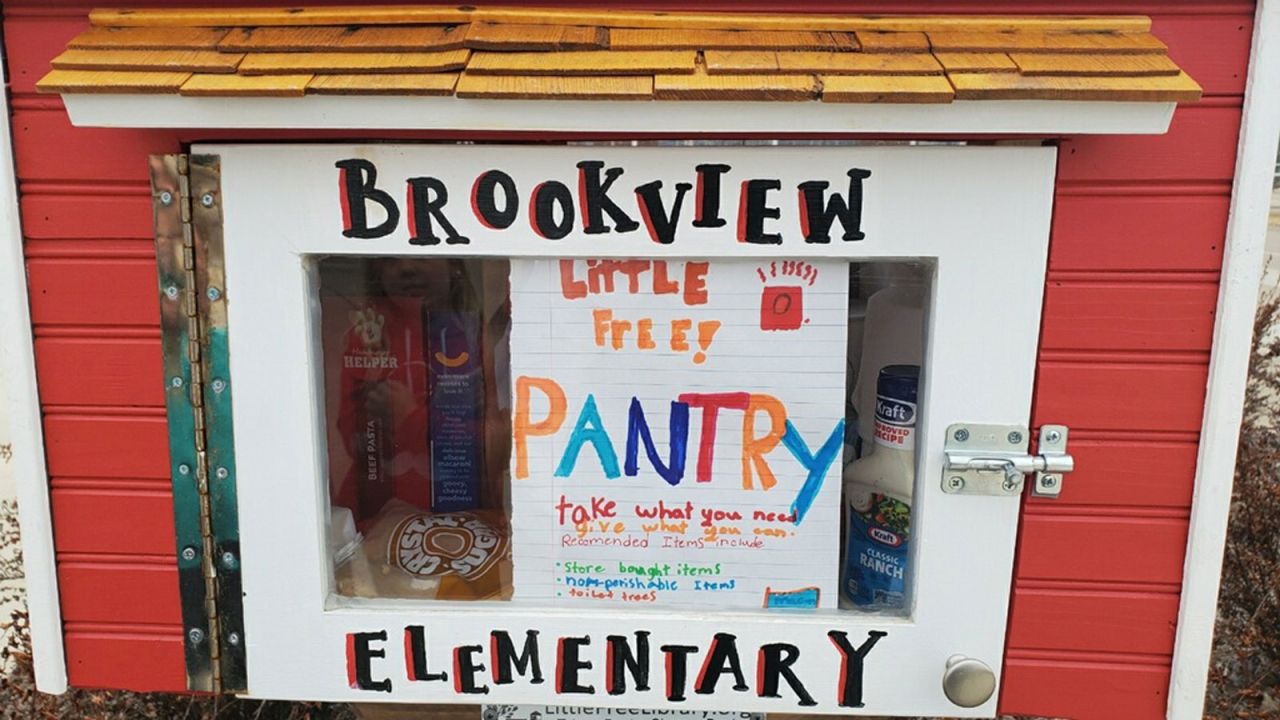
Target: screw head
(166,197)
(176,382)
(1009,485)
(219,385)
(1049,481)
(195,635)
(1053,436)
(184,469)
(221,473)
(206,199)
(233,638)
(961,435)
(228,559)
(171,292)
(1015,437)
(188,553)
(213,293)
(955,482)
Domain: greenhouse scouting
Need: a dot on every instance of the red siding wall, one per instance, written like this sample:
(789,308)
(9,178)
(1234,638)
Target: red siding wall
(1138,231)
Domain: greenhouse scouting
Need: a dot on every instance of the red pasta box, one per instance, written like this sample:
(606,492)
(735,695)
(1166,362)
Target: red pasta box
(378,421)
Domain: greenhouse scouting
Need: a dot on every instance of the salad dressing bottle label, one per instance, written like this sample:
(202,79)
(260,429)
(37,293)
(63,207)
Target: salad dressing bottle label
(878,497)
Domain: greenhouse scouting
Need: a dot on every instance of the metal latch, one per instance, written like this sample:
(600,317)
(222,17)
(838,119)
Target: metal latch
(992,460)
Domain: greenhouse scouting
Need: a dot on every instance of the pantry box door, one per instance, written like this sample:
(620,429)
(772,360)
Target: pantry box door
(976,219)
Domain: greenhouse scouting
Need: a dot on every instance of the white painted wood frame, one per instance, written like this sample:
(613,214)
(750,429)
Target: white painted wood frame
(1228,369)
(22,404)
(979,214)
(965,117)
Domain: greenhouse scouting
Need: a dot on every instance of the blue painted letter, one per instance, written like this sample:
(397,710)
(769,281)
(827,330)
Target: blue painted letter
(589,429)
(817,465)
(638,429)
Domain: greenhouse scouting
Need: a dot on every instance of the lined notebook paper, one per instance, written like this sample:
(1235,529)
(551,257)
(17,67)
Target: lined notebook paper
(678,430)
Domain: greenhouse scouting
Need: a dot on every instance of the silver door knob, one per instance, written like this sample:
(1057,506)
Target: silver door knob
(968,682)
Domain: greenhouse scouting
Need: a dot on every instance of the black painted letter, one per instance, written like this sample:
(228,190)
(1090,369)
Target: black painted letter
(722,657)
(619,660)
(356,181)
(542,210)
(465,668)
(568,664)
(594,196)
(816,218)
(415,648)
(774,663)
(484,201)
(708,196)
(505,658)
(851,664)
(427,197)
(677,669)
(359,655)
(661,224)
(755,210)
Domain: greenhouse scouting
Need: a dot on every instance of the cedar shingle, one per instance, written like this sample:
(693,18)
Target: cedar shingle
(700,86)
(148,38)
(890,42)
(111,81)
(384,84)
(675,39)
(1011,86)
(512,38)
(246,85)
(589,62)
(344,62)
(1087,42)
(340,39)
(1090,65)
(886,89)
(209,61)
(551,87)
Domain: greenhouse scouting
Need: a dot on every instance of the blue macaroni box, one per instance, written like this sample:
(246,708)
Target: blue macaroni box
(455,401)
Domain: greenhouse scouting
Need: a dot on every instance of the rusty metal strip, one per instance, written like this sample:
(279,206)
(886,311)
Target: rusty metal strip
(219,446)
(188,227)
(183,399)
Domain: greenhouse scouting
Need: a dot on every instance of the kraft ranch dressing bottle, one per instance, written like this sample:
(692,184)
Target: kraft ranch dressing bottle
(877,494)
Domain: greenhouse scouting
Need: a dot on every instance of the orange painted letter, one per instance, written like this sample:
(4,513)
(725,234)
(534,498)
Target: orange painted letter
(601,319)
(753,448)
(522,426)
(570,287)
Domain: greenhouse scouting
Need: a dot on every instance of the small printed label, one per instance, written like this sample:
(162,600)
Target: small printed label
(895,423)
(876,557)
(431,545)
(884,537)
(561,712)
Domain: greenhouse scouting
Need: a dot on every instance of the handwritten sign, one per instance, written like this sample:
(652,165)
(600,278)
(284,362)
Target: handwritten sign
(677,430)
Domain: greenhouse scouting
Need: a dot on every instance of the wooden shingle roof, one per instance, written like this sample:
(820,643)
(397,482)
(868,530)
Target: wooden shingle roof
(539,53)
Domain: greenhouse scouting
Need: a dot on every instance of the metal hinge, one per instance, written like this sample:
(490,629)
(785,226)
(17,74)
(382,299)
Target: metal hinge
(188,247)
(993,460)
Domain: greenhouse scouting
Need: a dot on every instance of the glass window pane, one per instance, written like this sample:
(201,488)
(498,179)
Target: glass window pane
(663,457)
(418,420)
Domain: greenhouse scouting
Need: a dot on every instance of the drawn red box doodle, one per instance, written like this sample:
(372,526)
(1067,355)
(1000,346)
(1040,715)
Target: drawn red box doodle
(782,306)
